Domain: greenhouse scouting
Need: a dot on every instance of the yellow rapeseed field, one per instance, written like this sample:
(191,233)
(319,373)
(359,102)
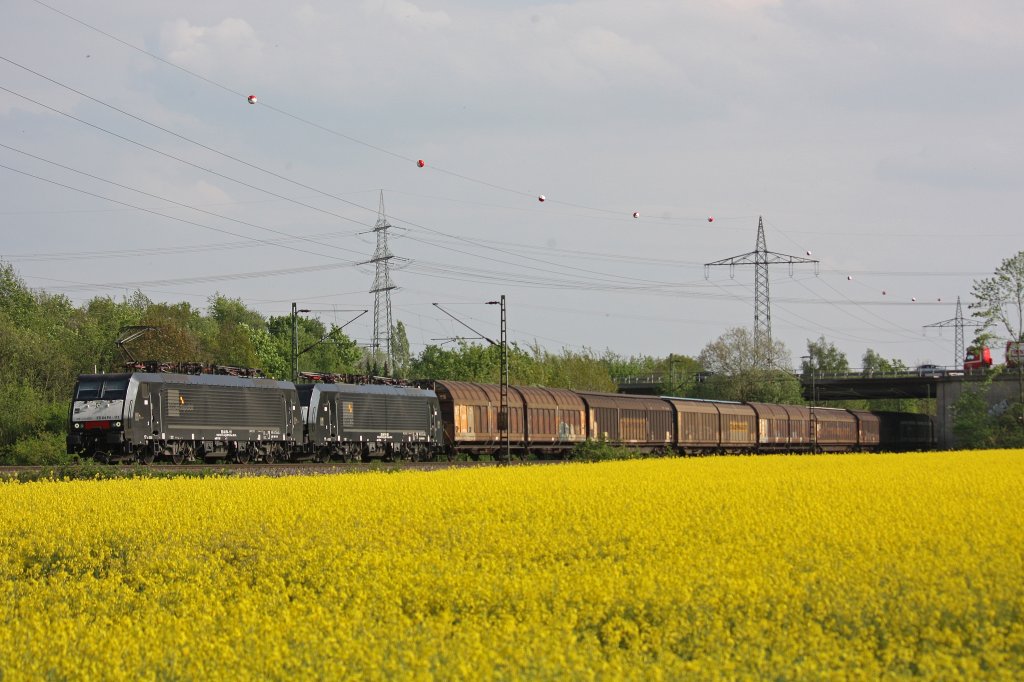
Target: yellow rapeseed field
(812,567)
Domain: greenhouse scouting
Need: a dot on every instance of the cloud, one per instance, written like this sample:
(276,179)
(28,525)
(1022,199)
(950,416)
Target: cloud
(409,14)
(955,165)
(231,42)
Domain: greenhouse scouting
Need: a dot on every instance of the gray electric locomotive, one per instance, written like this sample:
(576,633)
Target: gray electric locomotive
(182,417)
(364,421)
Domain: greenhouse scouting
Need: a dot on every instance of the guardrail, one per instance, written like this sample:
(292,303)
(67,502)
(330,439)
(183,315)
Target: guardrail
(658,378)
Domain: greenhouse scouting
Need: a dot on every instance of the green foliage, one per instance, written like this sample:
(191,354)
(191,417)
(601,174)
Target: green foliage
(600,451)
(319,349)
(1000,299)
(741,368)
(979,425)
(400,350)
(41,448)
(824,358)
(271,355)
(576,370)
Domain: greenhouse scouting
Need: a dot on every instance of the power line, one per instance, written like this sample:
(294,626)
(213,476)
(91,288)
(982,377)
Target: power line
(180,204)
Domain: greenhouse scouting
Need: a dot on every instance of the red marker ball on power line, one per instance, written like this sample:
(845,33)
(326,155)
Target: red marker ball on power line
(711,218)
(421,163)
(540,198)
(636,214)
(252,99)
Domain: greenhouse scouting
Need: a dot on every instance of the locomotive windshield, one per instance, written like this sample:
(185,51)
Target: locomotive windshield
(88,390)
(102,389)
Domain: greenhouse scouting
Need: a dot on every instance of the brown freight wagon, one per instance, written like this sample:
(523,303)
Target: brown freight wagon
(801,429)
(836,429)
(698,426)
(868,430)
(555,418)
(709,426)
(470,415)
(739,427)
(633,421)
(773,430)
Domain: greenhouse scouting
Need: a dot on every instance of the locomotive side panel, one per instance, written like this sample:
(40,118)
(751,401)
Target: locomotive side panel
(222,408)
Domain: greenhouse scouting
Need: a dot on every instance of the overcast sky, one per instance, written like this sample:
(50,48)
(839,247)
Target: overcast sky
(884,138)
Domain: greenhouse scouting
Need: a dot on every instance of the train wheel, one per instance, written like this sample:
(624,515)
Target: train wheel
(147,454)
(271,454)
(180,454)
(100,457)
(243,454)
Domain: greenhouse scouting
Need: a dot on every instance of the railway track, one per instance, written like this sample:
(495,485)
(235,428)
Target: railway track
(273,470)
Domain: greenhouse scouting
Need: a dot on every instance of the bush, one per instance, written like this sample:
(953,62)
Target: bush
(601,451)
(42,448)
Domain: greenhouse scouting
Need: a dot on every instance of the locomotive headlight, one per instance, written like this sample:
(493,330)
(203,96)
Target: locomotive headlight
(78,425)
(117,425)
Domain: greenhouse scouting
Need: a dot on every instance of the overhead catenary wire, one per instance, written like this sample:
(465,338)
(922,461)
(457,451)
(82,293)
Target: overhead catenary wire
(425,265)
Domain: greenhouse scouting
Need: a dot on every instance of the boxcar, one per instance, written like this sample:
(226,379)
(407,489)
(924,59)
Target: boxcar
(470,415)
(773,431)
(368,420)
(739,427)
(182,417)
(555,419)
(698,425)
(629,420)
(801,427)
(868,430)
(902,431)
(836,430)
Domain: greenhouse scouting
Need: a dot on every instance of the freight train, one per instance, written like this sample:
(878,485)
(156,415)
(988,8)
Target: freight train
(143,417)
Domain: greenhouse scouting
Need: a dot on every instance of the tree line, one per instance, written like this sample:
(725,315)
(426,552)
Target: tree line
(46,341)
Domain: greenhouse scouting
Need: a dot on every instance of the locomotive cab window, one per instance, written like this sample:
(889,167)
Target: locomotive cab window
(102,389)
(88,390)
(114,389)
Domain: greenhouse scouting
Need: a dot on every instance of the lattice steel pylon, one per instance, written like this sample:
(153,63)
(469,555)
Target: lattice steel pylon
(761,258)
(381,290)
(958,323)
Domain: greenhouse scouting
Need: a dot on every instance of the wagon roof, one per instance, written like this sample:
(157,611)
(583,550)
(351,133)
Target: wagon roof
(625,401)
(540,396)
(470,393)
